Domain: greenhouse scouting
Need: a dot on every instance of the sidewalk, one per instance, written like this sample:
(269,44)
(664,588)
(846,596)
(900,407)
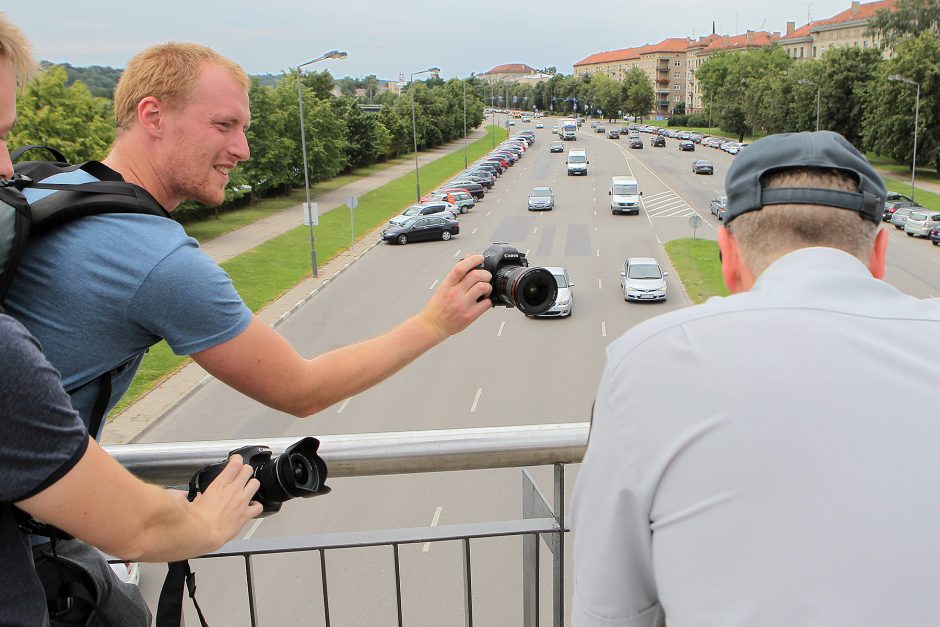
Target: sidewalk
(924,185)
(135,419)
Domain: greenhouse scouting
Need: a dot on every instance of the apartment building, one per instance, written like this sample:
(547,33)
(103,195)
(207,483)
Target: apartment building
(698,52)
(846,29)
(511,72)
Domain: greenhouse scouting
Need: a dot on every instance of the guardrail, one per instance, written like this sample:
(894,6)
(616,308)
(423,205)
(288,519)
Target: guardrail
(372,454)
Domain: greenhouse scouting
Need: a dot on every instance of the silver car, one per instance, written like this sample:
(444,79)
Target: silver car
(899,219)
(643,279)
(564,301)
(541,199)
(920,222)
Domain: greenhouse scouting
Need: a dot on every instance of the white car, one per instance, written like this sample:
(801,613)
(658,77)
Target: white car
(539,125)
(564,301)
(643,279)
(554,130)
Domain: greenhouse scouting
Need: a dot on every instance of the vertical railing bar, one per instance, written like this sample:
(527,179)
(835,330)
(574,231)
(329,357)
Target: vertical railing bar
(326,597)
(252,609)
(468,585)
(397,582)
(558,602)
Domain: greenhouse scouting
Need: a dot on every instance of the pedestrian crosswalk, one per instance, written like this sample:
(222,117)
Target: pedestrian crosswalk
(666,204)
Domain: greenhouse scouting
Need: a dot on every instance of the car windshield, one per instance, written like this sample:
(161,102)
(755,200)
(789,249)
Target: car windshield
(560,280)
(917,216)
(644,271)
(625,190)
(410,211)
(576,159)
(722,200)
(541,192)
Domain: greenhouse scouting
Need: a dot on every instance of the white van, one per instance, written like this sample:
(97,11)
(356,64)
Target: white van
(624,195)
(577,162)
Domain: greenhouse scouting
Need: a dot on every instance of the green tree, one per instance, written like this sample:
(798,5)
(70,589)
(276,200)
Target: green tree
(606,95)
(888,119)
(320,83)
(637,93)
(275,161)
(908,18)
(70,119)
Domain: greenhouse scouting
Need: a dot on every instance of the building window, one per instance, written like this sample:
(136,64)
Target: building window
(675,88)
(865,44)
(801,52)
(814,51)
(676,75)
(678,63)
(676,99)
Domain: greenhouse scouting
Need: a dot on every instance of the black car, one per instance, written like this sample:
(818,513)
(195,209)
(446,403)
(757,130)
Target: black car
(421,229)
(636,142)
(893,205)
(658,142)
(686,145)
(556,147)
(599,129)
(702,167)
(475,189)
(935,236)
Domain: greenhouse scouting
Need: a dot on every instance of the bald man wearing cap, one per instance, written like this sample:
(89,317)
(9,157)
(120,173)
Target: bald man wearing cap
(744,468)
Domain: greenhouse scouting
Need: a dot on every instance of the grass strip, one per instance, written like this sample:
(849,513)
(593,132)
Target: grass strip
(697,264)
(265,272)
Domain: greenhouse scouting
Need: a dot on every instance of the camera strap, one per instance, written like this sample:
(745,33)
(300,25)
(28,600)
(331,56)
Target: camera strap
(170,605)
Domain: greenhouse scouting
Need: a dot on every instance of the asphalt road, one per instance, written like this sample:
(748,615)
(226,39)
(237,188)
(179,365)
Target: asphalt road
(505,369)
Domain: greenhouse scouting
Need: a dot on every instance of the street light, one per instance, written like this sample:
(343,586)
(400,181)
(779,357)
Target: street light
(465,122)
(414,124)
(332,54)
(899,78)
(804,81)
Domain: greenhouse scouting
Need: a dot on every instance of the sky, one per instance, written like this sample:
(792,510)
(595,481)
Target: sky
(390,38)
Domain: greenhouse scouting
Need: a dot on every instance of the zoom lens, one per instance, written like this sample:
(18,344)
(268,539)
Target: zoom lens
(531,290)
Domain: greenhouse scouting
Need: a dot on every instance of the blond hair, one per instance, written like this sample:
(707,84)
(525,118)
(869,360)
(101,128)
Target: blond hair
(16,47)
(167,72)
(769,233)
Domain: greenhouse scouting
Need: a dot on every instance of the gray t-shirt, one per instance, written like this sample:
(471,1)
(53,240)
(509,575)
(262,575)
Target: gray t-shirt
(99,291)
(43,438)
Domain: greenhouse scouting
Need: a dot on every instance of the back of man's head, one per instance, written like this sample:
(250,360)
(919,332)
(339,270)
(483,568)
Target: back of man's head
(168,72)
(15,48)
(787,192)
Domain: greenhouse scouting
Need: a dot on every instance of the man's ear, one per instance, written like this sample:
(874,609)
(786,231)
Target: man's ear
(150,113)
(730,259)
(879,254)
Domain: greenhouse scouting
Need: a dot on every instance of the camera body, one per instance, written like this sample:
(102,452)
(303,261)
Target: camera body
(298,472)
(515,284)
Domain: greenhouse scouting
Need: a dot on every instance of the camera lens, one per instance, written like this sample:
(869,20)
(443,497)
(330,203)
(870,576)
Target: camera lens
(531,290)
(303,472)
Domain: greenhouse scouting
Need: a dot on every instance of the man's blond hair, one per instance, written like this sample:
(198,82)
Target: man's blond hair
(167,72)
(767,234)
(16,47)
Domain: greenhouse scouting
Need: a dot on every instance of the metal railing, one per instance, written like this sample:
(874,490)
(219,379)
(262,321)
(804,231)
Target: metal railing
(373,454)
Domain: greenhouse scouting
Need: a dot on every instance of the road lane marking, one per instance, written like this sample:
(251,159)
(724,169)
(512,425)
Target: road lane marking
(343,406)
(457,254)
(476,399)
(498,200)
(502,325)
(474,231)
(526,252)
(434,521)
(253,528)
(600,285)
(595,212)
(598,252)
(535,230)
(603,329)
(488,213)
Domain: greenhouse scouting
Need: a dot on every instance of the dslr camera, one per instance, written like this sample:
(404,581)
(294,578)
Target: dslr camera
(531,290)
(298,471)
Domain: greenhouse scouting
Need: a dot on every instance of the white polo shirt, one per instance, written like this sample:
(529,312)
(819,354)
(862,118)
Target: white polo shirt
(770,458)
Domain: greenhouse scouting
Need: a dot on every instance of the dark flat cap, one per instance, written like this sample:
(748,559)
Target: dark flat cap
(822,149)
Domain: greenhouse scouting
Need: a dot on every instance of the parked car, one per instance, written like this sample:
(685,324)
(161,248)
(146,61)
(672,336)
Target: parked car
(921,222)
(466,185)
(599,129)
(636,142)
(421,229)
(718,206)
(425,209)
(893,205)
(899,219)
(935,236)
(702,166)
(613,134)
(685,144)
(462,201)
(643,279)
(658,142)
(564,301)
(541,199)
(556,147)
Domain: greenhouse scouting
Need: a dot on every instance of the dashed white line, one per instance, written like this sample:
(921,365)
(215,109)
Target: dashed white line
(253,528)
(603,329)
(595,212)
(343,406)
(474,231)
(497,200)
(502,325)
(526,252)
(457,254)
(488,213)
(476,399)
(598,252)
(600,285)
(433,284)
(434,521)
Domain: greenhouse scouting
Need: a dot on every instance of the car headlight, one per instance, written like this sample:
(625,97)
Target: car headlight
(562,303)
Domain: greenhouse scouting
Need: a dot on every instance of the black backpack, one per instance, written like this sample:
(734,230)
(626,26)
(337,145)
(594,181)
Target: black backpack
(20,220)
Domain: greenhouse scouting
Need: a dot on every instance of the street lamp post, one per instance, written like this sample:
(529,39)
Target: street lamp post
(333,54)
(414,124)
(465,124)
(818,87)
(898,77)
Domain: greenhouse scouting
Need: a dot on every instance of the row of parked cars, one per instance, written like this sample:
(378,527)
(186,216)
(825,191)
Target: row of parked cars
(915,220)
(435,216)
(689,139)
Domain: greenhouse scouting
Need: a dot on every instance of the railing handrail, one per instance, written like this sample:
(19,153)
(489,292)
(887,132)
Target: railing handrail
(367,454)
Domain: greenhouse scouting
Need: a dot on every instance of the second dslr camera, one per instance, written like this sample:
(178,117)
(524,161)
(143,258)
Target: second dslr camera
(531,290)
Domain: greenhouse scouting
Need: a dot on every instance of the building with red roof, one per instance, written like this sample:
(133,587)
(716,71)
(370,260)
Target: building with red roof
(512,72)
(846,29)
